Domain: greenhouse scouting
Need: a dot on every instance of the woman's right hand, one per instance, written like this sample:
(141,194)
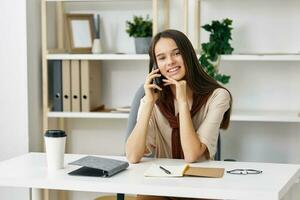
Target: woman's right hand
(149,87)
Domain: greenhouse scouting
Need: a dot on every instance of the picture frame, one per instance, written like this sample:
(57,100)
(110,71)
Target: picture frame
(80,32)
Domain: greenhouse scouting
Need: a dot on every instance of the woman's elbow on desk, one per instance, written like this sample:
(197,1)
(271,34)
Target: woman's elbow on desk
(191,159)
(194,156)
(133,159)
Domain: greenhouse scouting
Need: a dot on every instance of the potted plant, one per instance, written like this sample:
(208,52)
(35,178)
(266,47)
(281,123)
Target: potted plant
(220,34)
(141,30)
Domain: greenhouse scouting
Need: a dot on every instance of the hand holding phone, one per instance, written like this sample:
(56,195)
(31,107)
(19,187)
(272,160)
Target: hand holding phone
(157,80)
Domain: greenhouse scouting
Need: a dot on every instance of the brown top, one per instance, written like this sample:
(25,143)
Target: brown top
(206,123)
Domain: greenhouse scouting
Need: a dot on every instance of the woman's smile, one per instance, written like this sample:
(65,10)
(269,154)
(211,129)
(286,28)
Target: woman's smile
(173,70)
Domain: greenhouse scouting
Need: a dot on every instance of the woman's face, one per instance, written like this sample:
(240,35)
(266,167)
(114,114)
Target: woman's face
(169,59)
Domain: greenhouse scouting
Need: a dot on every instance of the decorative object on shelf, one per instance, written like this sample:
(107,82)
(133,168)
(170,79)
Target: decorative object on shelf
(124,109)
(218,44)
(97,41)
(141,30)
(81,33)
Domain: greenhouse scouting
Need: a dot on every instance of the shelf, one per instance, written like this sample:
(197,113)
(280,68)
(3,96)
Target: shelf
(265,116)
(240,116)
(92,115)
(236,57)
(98,57)
(89,0)
(258,57)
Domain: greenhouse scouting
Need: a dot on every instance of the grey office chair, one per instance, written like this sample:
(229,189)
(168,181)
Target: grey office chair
(140,93)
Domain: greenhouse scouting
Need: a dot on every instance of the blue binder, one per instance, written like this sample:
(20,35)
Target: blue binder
(55,85)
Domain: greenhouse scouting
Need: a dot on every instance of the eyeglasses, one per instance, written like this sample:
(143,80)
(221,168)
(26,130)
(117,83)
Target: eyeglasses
(244,171)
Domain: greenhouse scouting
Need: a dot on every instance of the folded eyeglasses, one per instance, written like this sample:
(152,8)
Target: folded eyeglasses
(244,171)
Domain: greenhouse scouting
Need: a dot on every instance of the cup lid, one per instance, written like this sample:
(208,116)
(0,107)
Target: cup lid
(55,133)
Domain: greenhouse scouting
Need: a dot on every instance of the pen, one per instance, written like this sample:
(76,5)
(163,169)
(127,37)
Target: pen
(165,170)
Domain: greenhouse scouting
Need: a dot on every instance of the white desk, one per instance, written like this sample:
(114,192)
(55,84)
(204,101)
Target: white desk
(276,180)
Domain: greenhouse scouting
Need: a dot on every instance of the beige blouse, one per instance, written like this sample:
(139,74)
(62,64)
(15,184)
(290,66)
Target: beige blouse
(206,123)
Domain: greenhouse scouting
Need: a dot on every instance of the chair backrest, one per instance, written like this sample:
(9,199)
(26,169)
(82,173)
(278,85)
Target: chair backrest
(134,108)
(140,93)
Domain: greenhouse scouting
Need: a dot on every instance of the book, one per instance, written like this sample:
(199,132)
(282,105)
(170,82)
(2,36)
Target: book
(75,86)
(156,170)
(90,85)
(97,166)
(66,85)
(55,85)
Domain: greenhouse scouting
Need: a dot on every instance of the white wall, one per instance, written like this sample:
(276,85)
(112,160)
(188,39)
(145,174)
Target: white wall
(13,87)
(34,75)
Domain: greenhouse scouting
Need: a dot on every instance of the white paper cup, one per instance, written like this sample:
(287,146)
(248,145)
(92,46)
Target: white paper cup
(55,141)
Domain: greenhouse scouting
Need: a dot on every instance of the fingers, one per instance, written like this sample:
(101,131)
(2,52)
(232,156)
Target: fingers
(153,86)
(169,81)
(154,71)
(152,75)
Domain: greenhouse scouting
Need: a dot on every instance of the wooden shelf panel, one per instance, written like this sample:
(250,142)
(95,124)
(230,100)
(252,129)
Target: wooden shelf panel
(90,0)
(91,115)
(265,116)
(258,57)
(247,116)
(97,57)
(236,57)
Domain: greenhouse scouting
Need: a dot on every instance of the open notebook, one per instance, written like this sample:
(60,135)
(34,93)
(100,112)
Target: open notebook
(156,170)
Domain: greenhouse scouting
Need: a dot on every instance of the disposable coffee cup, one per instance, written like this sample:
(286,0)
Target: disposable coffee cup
(55,141)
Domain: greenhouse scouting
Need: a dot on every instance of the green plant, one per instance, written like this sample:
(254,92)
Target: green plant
(139,27)
(220,34)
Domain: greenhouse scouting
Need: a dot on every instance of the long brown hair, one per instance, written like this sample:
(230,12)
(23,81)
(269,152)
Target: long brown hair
(197,79)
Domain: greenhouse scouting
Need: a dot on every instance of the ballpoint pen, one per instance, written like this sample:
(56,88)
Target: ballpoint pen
(165,170)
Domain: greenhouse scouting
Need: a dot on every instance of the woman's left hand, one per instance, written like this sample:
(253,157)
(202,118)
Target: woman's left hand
(181,95)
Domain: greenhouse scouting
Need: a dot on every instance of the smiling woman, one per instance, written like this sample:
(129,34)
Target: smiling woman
(181,120)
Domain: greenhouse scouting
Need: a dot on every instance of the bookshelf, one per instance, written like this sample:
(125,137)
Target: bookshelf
(53,40)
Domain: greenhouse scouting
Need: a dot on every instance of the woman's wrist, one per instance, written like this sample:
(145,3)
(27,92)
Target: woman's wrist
(182,104)
(147,101)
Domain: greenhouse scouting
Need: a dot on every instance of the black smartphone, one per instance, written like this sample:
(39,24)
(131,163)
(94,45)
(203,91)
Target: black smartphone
(157,80)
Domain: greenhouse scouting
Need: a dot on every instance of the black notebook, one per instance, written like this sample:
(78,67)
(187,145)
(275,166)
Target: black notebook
(97,166)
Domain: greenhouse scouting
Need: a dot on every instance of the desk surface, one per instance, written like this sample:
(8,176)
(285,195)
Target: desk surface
(30,170)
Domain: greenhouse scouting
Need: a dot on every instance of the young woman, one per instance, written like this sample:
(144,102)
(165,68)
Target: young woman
(181,118)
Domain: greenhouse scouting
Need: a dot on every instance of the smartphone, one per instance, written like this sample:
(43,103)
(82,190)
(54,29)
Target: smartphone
(157,80)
